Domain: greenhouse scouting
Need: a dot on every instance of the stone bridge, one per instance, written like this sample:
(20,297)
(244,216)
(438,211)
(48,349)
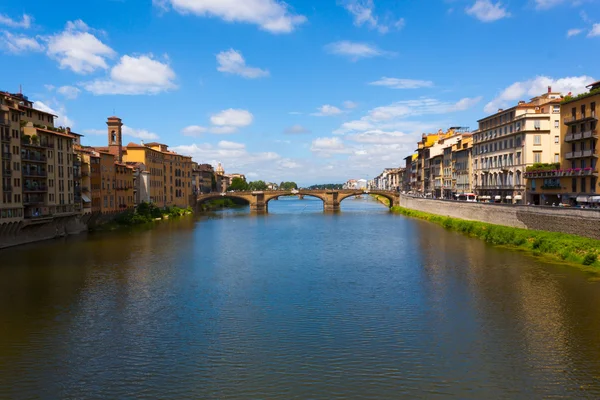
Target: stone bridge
(259,200)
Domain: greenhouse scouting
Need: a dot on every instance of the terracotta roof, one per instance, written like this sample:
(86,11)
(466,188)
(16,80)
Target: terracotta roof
(54,132)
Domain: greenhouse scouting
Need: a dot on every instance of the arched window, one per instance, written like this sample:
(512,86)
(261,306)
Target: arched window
(113,136)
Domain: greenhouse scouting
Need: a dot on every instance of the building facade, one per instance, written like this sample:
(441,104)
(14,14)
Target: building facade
(510,141)
(575,180)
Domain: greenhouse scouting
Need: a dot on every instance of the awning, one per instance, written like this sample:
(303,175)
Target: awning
(498,197)
(518,197)
(595,199)
(508,197)
(582,199)
(85,198)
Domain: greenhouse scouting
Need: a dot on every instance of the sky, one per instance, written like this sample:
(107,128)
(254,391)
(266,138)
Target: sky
(312,91)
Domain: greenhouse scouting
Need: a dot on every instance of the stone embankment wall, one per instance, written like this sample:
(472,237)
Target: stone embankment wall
(16,234)
(576,221)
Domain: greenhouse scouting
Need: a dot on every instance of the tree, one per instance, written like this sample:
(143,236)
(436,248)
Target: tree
(257,185)
(238,184)
(288,186)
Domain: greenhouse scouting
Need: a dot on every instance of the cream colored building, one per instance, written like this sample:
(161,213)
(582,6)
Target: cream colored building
(511,140)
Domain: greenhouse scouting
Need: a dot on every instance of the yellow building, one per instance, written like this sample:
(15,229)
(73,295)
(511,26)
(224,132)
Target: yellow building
(461,165)
(579,168)
(167,177)
(510,141)
(37,163)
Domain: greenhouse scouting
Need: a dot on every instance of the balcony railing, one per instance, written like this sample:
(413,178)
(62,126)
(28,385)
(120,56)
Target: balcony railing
(6,155)
(33,157)
(6,138)
(573,119)
(35,189)
(589,134)
(579,154)
(573,136)
(34,173)
(7,188)
(559,173)
(4,121)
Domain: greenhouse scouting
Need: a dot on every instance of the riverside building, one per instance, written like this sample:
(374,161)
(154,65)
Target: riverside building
(511,140)
(575,181)
(39,168)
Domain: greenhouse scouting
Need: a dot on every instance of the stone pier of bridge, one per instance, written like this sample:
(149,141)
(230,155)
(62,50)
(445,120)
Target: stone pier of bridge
(259,200)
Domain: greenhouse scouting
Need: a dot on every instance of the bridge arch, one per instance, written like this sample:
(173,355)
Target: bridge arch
(228,195)
(275,196)
(391,196)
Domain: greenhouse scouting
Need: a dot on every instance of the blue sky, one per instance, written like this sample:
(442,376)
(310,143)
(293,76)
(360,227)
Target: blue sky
(308,90)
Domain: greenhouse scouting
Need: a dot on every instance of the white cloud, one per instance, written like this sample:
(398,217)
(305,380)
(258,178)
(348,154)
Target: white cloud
(547,4)
(327,111)
(224,122)
(139,133)
(193,130)
(378,136)
(18,44)
(327,146)
(595,31)
(135,76)
(397,83)
(25,22)
(224,144)
(574,32)
(356,50)
(60,111)
(232,118)
(288,164)
(411,108)
(70,92)
(234,156)
(232,62)
(271,15)
(295,113)
(535,87)
(363,13)
(78,50)
(296,129)
(350,105)
(486,11)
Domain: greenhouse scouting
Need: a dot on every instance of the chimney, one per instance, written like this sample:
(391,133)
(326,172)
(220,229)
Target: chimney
(500,109)
(549,89)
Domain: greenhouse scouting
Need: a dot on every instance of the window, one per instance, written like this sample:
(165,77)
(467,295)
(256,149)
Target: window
(537,140)
(537,124)
(537,157)
(583,185)
(556,123)
(555,139)
(555,109)
(556,158)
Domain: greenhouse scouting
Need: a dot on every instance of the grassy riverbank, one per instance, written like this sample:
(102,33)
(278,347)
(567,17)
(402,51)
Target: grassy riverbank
(567,248)
(145,213)
(383,200)
(216,204)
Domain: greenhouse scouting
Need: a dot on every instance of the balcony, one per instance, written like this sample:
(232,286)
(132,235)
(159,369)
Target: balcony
(573,136)
(35,189)
(6,155)
(581,117)
(579,154)
(4,121)
(6,138)
(31,200)
(36,158)
(590,134)
(33,173)
(7,188)
(560,173)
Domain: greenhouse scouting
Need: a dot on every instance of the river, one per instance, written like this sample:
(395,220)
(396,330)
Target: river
(295,304)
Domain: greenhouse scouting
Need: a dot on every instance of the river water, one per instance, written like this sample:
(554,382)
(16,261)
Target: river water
(296,304)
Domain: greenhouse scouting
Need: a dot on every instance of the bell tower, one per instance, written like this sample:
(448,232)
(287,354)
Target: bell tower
(115,141)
